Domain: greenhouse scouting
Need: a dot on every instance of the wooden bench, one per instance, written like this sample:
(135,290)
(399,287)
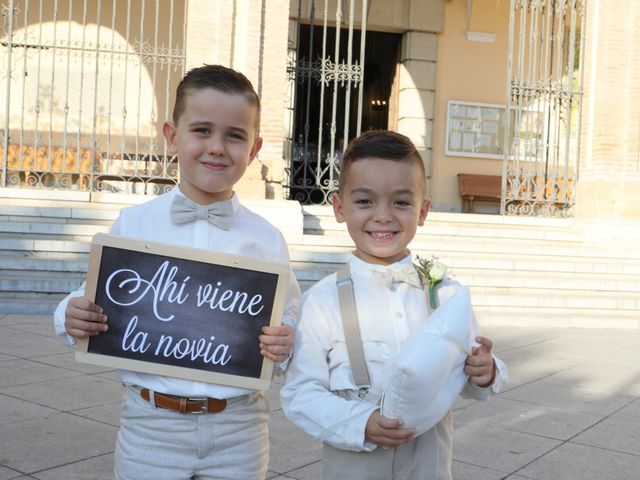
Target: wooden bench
(484,188)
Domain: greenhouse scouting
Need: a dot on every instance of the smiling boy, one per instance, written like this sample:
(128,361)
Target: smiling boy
(215,134)
(382,198)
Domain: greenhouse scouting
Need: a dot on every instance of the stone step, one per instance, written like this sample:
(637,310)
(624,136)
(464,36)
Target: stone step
(48,228)
(569,283)
(483,295)
(528,271)
(286,215)
(426,245)
(44,243)
(534,232)
(15,213)
(556,317)
(523,298)
(320,219)
(43,262)
(29,303)
(529,262)
(313,264)
(43,282)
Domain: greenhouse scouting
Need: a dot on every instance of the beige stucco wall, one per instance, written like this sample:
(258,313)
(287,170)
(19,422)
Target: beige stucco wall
(468,71)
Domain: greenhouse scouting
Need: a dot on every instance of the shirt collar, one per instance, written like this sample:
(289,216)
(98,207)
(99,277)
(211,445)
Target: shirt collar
(358,265)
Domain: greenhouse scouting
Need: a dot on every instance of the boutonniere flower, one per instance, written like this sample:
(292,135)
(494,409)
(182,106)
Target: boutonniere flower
(432,271)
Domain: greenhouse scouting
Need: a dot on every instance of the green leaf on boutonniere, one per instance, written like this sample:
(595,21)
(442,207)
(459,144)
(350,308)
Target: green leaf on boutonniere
(432,271)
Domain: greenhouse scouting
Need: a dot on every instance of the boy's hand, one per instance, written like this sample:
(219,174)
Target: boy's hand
(83,318)
(276,342)
(480,365)
(387,432)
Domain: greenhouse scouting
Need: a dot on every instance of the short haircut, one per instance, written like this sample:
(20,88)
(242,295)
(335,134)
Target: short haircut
(383,144)
(219,78)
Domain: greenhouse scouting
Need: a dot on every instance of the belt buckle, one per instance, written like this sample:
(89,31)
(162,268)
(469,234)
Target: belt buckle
(204,407)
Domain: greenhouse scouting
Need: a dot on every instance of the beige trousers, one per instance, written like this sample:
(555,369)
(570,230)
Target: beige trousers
(427,457)
(159,444)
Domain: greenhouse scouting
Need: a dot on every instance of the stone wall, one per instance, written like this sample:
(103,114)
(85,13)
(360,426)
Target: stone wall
(609,184)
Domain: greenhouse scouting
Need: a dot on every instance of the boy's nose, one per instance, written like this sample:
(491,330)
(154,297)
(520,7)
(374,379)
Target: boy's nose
(215,146)
(382,214)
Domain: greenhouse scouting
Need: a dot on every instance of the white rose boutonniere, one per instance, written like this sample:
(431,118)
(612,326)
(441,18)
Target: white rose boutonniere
(432,271)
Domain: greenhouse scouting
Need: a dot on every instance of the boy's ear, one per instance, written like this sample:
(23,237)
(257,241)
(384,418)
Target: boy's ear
(423,212)
(338,210)
(169,132)
(257,145)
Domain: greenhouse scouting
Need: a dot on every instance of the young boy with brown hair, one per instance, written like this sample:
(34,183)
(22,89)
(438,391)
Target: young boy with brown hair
(382,199)
(215,135)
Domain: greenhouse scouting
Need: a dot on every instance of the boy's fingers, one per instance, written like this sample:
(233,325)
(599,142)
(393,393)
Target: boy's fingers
(485,342)
(83,303)
(275,340)
(386,422)
(83,309)
(275,357)
(93,317)
(477,371)
(276,349)
(394,437)
(278,330)
(81,328)
(278,335)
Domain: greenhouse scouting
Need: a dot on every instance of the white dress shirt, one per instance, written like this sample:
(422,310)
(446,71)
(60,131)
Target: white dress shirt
(250,235)
(319,374)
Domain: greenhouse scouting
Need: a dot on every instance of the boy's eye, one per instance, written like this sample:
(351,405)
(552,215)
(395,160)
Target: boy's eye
(403,203)
(362,201)
(202,131)
(236,135)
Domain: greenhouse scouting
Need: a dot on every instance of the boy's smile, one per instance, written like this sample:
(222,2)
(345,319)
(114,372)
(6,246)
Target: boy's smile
(382,203)
(215,141)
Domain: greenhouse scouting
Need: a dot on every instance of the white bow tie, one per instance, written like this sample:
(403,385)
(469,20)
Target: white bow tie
(185,210)
(407,274)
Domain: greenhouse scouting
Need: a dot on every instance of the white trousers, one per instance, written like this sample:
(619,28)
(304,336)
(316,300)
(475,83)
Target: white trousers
(159,444)
(426,457)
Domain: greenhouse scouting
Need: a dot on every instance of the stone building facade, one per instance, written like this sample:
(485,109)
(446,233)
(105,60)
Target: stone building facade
(449,50)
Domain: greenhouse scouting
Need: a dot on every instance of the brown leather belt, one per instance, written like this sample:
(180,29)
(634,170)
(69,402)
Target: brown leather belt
(185,404)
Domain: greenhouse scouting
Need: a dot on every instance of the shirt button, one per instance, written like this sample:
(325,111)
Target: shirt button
(399,315)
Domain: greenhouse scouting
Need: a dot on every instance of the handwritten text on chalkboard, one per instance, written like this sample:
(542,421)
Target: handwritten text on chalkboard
(183,312)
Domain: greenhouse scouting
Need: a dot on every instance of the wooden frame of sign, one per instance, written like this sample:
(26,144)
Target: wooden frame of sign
(182,312)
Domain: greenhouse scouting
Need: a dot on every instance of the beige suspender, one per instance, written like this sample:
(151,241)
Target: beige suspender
(352,329)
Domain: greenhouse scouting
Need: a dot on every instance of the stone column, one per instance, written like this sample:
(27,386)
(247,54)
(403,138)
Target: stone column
(609,183)
(423,20)
(416,92)
(249,36)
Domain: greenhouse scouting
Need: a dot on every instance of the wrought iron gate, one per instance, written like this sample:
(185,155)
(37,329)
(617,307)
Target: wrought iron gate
(85,84)
(544,92)
(325,73)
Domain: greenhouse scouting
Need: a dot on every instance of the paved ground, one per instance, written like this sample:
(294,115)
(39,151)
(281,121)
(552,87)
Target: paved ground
(571,411)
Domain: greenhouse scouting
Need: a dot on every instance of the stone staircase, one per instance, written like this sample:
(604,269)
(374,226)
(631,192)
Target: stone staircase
(534,271)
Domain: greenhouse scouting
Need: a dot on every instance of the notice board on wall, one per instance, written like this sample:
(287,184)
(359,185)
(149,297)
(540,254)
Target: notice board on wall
(475,129)
(478,129)
(182,312)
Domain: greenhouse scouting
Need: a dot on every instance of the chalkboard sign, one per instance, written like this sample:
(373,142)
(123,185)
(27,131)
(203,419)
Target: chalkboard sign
(182,312)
